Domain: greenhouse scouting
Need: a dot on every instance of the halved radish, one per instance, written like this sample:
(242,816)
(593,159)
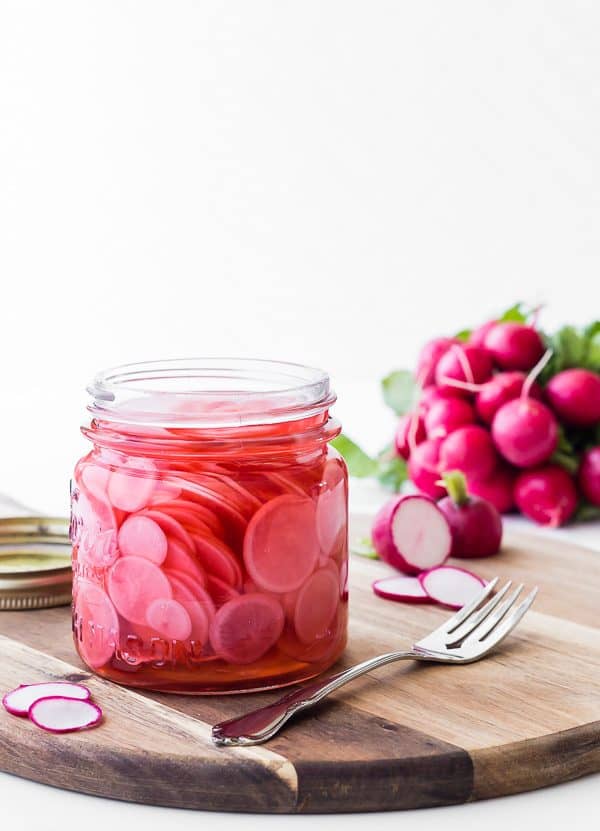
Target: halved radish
(218,559)
(245,628)
(451,586)
(412,534)
(332,506)
(281,547)
(131,487)
(141,536)
(97,624)
(316,605)
(170,619)
(133,584)
(405,589)
(58,714)
(19,701)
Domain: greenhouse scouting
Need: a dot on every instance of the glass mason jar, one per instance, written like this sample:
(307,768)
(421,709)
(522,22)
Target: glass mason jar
(209,527)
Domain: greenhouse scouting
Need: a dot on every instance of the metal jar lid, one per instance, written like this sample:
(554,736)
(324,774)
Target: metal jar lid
(35,563)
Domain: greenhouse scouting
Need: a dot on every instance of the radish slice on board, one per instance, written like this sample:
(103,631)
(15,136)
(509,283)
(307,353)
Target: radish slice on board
(246,627)
(133,584)
(316,605)
(20,700)
(132,491)
(451,586)
(97,629)
(170,619)
(412,534)
(58,714)
(405,589)
(141,536)
(281,547)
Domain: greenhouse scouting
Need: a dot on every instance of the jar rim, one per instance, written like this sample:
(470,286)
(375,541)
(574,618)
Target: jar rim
(209,392)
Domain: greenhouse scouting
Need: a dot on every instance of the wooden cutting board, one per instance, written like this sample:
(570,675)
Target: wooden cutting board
(406,736)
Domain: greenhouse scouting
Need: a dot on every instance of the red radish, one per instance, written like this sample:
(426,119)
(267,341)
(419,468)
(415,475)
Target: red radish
(169,619)
(423,468)
(411,534)
(245,628)
(133,584)
(429,357)
(478,335)
(589,475)
(475,523)
(409,432)
(431,395)
(525,432)
(497,488)
(514,345)
(471,450)
(281,547)
(316,605)
(451,586)
(132,485)
(405,589)
(503,387)
(446,415)
(547,495)
(574,395)
(464,364)
(97,623)
(19,701)
(58,714)
(140,536)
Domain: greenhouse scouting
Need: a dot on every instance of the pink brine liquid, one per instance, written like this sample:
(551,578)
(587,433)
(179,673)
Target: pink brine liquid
(210,558)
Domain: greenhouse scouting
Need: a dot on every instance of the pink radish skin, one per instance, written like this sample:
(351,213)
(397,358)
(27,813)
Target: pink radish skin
(498,488)
(446,415)
(589,475)
(475,523)
(514,345)
(19,700)
(574,395)
(423,468)
(429,357)
(547,495)
(410,430)
(478,335)
(465,364)
(503,387)
(471,450)
(58,714)
(403,589)
(525,432)
(451,586)
(411,534)
(431,395)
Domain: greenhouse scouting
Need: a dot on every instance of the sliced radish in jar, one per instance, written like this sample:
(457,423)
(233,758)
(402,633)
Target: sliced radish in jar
(281,547)
(405,589)
(94,480)
(192,515)
(20,700)
(332,507)
(171,527)
(170,619)
(133,584)
(97,630)
(58,714)
(132,491)
(219,590)
(451,586)
(198,604)
(179,558)
(165,492)
(206,497)
(245,628)
(218,559)
(141,536)
(316,605)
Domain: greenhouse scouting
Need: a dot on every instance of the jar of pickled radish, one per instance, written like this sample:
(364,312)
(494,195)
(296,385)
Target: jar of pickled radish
(209,527)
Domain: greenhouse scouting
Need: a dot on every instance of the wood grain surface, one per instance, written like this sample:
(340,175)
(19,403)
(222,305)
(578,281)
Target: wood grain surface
(405,736)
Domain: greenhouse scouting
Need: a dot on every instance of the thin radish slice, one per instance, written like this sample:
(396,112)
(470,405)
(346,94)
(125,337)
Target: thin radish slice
(94,480)
(20,700)
(190,513)
(133,584)
(332,507)
(165,492)
(405,589)
(451,586)
(179,558)
(170,619)
(97,624)
(249,501)
(412,534)
(131,490)
(281,547)
(199,608)
(170,527)
(285,484)
(141,536)
(218,559)
(58,714)
(207,497)
(245,628)
(192,524)
(94,528)
(316,606)
(219,590)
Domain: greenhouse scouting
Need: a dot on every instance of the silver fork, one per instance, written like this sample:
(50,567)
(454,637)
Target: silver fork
(466,637)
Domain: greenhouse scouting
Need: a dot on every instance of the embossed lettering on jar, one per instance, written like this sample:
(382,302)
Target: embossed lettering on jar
(209,527)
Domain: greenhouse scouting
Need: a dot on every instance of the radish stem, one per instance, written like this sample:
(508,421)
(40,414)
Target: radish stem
(456,485)
(535,371)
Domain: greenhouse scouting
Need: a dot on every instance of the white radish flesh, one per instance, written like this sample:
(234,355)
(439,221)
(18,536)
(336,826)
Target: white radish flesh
(451,586)
(58,714)
(404,589)
(19,701)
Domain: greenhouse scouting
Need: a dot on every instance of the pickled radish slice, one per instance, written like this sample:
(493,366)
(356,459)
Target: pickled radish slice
(281,547)
(141,536)
(97,624)
(179,558)
(170,619)
(131,491)
(245,628)
(199,607)
(451,586)
(404,589)
(246,499)
(58,714)
(316,605)
(181,578)
(218,559)
(206,497)
(19,701)
(133,584)
(165,492)
(332,507)
(193,516)
(170,527)
(94,528)
(321,650)
(219,590)
(95,480)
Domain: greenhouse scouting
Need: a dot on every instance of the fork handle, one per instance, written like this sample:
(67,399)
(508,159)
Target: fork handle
(260,725)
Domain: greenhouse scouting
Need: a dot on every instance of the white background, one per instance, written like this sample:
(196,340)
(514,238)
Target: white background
(319,181)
